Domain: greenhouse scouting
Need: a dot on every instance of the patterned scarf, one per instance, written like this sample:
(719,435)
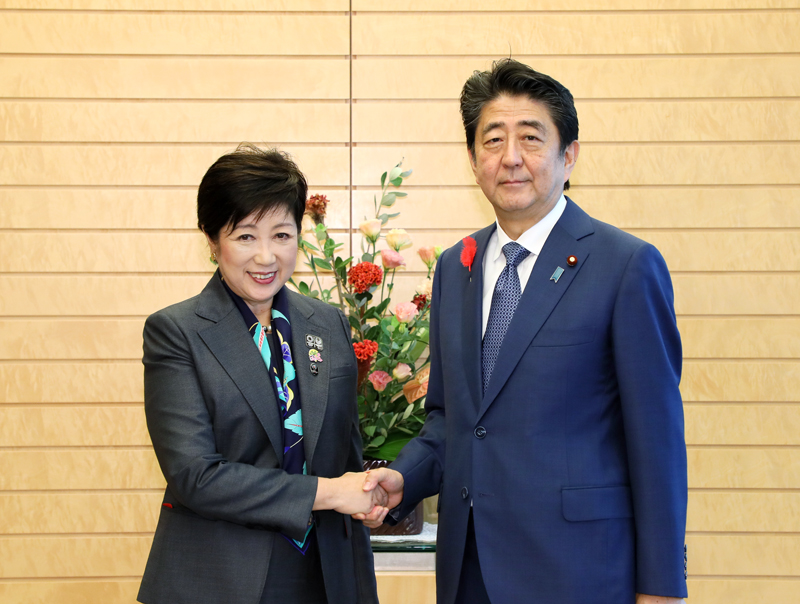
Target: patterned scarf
(286,391)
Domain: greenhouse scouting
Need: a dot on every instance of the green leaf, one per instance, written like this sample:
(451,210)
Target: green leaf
(367,258)
(395,173)
(397,181)
(406,174)
(391,449)
(369,430)
(303,288)
(388,200)
(378,441)
(354,323)
(383,179)
(306,244)
(409,410)
(400,194)
(320,263)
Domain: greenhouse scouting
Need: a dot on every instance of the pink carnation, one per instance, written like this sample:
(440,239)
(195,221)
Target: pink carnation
(401,371)
(405,311)
(392,259)
(427,254)
(379,380)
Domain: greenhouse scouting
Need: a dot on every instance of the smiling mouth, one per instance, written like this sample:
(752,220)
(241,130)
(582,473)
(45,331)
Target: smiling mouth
(263,277)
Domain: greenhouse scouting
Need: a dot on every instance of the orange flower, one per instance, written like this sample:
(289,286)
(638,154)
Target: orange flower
(316,206)
(418,387)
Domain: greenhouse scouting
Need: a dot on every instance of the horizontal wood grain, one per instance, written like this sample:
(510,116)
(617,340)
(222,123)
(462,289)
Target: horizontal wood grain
(755,424)
(65,513)
(165,33)
(750,337)
(178,122)
(85,469)
(552,5)
(178,5)
(68,426)
(98,339)
(114,208)
(174,78)
(179,165)
(743,512)
(576,33)
(608,77)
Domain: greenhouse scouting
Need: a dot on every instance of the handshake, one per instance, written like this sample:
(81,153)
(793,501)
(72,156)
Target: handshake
(366,496)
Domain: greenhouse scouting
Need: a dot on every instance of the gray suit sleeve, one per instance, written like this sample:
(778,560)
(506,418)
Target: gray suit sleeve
(199,477)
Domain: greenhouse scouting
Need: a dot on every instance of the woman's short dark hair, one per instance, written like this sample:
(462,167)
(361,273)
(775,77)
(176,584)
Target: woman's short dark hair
(247,181)
(513,78)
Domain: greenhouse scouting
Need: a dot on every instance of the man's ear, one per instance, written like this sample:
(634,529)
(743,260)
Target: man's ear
(571,158)
(472,163)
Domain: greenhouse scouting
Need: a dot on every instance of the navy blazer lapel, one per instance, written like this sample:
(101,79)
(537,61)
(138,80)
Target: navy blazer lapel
(313,388)
(472,319)
(542,293)
(229,341)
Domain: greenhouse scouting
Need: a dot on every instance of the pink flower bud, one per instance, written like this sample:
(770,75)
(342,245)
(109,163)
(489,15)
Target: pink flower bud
(398,239)
(427,254)
(371,229)
(401,371)
(392,259)
(405,311)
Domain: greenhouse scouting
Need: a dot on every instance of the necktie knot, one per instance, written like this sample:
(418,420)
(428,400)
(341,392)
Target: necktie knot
(514,253)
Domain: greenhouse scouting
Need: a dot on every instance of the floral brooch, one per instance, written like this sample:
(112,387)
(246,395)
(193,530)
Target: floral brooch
(468,252)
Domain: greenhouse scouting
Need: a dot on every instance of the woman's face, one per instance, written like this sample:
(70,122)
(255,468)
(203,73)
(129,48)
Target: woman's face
(257,258)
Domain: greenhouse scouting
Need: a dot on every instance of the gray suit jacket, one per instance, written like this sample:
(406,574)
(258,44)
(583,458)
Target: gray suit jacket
(216,429)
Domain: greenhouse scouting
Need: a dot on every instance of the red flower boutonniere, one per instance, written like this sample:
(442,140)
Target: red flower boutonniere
(468,252)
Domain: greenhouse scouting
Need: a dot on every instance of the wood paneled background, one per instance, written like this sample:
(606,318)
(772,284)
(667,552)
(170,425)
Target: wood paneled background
(111,111)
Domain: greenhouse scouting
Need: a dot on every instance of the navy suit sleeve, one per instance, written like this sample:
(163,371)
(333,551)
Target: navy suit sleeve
(421,462)
(647,356)
(181,429)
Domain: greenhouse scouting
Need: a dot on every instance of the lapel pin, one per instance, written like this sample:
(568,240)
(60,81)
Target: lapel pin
(572,260)
(557,274)
(314,356)
(309,340)
(314,369)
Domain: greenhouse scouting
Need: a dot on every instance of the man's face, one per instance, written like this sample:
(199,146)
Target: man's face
(517,161)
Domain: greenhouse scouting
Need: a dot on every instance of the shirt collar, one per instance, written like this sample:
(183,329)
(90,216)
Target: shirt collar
(534,238)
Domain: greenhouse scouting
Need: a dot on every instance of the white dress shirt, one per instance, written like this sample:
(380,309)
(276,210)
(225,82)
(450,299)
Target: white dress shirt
(494,261)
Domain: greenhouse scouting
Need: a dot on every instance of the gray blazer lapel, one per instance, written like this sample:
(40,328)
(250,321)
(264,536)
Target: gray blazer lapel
(313,388)
(229,341)
(542,294)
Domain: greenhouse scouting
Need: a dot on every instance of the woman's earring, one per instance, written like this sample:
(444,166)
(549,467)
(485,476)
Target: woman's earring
(213,258)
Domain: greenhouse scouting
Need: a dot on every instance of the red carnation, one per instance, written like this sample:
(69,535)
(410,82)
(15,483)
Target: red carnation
(468,252)
(364,275)
(316,206)
(420,300)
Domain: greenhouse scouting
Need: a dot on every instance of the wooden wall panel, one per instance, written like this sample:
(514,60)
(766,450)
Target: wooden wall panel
(82,77)
(80,469)
(115,591)
(181,5)
(743,512)
(553,5)
(164,33)
(740,338)
(94,382)
(73,426)
(174,122)
(578,34)
(30,207)
(165,166)
(72,513)
(751,424)
(608,77)
(71,339)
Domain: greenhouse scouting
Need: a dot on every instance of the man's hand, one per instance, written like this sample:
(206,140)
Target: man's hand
(645,599)
(389,487)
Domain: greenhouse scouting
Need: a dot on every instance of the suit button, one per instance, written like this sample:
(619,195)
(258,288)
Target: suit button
(464,493)
(480,432)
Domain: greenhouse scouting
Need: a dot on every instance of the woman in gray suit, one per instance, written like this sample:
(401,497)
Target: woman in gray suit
(250,397)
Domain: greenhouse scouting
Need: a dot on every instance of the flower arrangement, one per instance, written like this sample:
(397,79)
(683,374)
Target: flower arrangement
(390,342)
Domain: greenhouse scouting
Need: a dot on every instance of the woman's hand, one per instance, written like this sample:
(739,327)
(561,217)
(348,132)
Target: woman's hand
(346,494)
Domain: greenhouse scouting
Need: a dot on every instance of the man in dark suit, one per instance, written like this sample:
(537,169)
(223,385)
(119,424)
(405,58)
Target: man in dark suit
(554,435)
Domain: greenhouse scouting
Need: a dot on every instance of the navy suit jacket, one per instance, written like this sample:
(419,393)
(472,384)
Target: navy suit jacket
(574,460)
